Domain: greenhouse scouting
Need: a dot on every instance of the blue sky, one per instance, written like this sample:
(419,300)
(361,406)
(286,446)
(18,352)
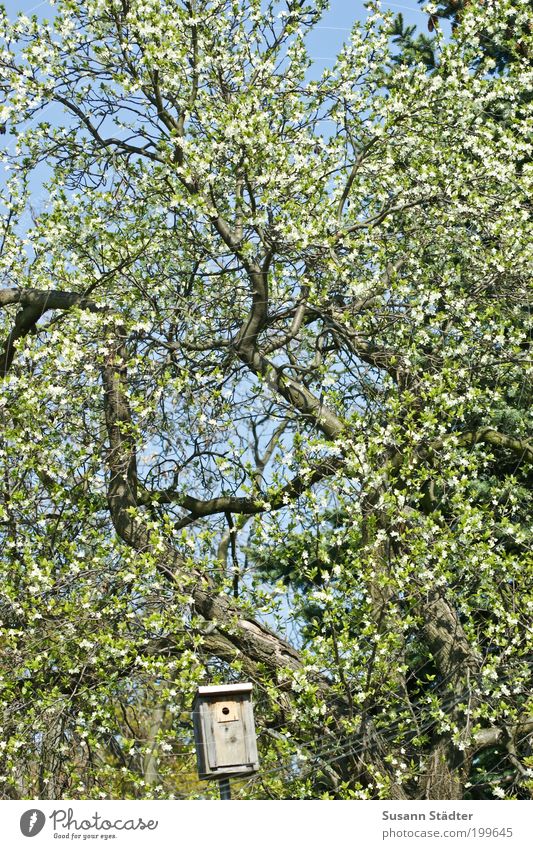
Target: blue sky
(334,28)
(325,41)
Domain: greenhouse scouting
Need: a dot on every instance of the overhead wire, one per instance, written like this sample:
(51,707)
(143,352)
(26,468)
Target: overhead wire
(348,749)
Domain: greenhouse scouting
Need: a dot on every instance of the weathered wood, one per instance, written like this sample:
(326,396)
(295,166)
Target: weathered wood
(228,736)
(224,731)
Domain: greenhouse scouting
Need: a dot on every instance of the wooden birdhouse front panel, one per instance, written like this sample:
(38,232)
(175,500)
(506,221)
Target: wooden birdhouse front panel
(224,731)
(229,733)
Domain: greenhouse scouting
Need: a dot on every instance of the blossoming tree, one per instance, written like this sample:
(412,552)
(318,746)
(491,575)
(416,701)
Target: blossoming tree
(266,401)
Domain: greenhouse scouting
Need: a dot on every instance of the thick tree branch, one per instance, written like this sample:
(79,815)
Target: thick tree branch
(488,737)
(237,636)
(522,448)
(292,391)
(446,638)
(245,506)
(34,303)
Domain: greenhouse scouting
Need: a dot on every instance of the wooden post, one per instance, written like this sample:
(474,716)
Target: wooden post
(225,789)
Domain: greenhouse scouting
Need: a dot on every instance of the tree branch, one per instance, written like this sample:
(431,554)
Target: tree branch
(244,506)
(34,304)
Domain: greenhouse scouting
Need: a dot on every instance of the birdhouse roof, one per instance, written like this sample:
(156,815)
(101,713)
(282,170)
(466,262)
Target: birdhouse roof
(224,689)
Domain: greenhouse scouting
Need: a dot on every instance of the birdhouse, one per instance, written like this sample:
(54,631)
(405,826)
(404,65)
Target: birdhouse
(224,731)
